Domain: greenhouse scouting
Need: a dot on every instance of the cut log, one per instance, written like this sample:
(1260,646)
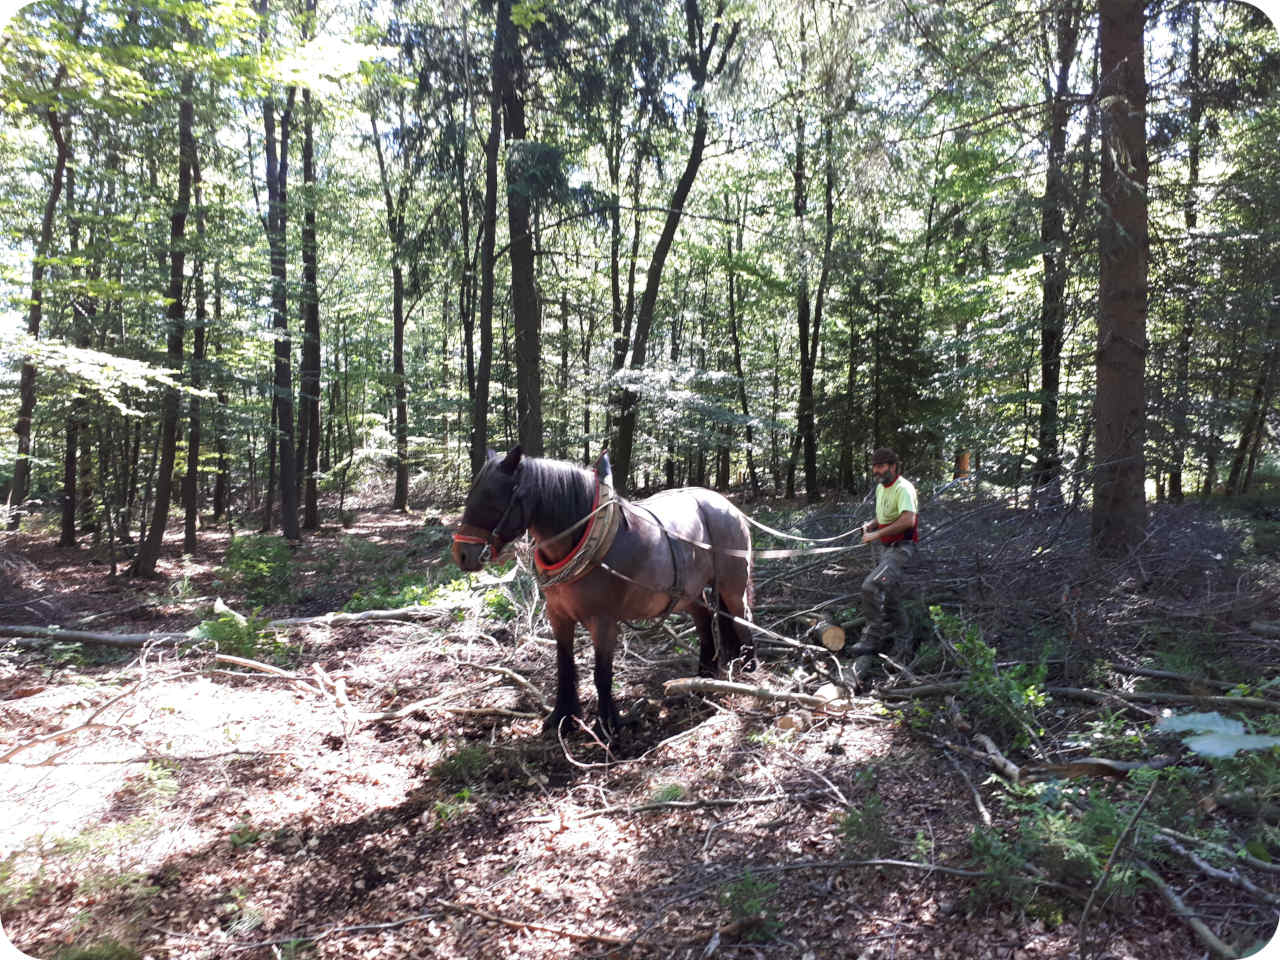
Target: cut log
(830,635)
(798,720)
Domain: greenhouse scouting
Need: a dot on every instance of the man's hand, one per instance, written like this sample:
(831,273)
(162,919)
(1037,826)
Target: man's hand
(869,533)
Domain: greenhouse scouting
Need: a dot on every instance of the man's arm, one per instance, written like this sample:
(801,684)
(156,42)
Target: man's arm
(906,520)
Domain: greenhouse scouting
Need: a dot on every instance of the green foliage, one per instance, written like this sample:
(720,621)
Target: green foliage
(864,830)
(1003,862)
(668,793)
(464,765)
(244,835)
(499,605)
(748,901)
(1005,698)
(102,950)
(262,566)
(250,637)
(446,810)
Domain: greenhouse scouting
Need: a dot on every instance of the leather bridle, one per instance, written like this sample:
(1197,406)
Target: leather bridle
(493,539)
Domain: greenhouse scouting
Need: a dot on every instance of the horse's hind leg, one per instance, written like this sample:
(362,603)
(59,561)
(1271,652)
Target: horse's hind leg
(736,638)
(707,660)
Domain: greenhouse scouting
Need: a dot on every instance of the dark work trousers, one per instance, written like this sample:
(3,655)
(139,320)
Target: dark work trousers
(882,595)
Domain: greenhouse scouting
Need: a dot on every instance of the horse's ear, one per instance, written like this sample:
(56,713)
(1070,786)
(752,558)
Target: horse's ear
(512,459)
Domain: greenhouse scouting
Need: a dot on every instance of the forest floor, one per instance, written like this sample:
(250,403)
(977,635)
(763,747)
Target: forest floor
(166,804)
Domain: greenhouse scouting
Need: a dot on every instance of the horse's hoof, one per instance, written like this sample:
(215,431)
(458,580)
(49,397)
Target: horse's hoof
(609,730)
(555,723)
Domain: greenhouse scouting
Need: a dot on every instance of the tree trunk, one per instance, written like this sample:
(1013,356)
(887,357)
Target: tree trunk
(70,471)
(21,482)
(401,501)
(484,360)
(144,564)
(735,337)
(699,55)
(191,482)
(1255,420)
(1190,306)
(1053,235)
(509,78)
(309,401)
(1119,505)
(277,238)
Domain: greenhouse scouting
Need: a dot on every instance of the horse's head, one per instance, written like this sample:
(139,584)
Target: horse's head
(494,514)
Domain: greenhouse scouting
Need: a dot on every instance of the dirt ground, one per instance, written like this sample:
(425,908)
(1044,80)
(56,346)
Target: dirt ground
(212,811)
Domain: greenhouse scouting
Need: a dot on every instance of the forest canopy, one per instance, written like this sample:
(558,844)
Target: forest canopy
(257,252)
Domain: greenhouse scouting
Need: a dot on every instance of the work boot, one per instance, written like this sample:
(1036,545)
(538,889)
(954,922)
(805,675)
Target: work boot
(869,643)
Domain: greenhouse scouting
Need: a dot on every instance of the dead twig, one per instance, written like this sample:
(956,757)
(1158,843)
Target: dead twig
(1230,876)
(1207,936)
(1243,855)
(692,685)
(983,812)
(515,678)
(541,927)
(89,723)
(1106,870)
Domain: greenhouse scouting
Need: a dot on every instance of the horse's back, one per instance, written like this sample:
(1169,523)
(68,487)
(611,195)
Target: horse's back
(711,518)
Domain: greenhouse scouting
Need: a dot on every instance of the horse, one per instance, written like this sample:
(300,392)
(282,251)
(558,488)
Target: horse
(658,558)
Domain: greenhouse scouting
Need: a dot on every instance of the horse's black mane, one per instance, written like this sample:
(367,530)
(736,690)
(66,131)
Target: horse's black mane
(559,494)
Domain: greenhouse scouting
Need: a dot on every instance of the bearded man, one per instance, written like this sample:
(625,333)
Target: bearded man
(894,533)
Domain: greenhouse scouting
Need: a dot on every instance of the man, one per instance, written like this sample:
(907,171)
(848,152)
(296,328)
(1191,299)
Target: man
(895,531)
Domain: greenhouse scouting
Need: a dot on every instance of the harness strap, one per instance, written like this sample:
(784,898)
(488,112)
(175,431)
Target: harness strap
(676,593)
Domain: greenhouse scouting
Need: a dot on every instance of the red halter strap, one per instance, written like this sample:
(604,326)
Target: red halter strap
(470,533)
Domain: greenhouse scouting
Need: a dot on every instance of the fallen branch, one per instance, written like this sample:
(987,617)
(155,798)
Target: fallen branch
(89,723)
(542,928)
(516,679)
(1230,876)
(1207,936)
(1106,870)
(128,641)
(1105,697)
(132,641)
(426,703)
(1240,855)
(694,685)
(983,812)
(1093,767)
(265,668)
(689,804)
(998,760)
(1181,678)
(338,619)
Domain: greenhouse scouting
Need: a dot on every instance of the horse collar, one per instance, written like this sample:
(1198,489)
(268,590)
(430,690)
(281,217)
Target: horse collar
(596,539)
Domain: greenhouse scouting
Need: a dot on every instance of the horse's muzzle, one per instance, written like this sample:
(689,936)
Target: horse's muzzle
(470,554)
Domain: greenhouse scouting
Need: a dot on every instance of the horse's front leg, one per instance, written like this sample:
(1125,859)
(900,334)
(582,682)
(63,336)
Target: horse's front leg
(604,637)
(567,703)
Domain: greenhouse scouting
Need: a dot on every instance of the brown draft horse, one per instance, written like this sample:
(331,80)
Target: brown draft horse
(659,571)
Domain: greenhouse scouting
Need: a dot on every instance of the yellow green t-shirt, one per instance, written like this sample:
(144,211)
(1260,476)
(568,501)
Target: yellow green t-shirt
(892,500)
